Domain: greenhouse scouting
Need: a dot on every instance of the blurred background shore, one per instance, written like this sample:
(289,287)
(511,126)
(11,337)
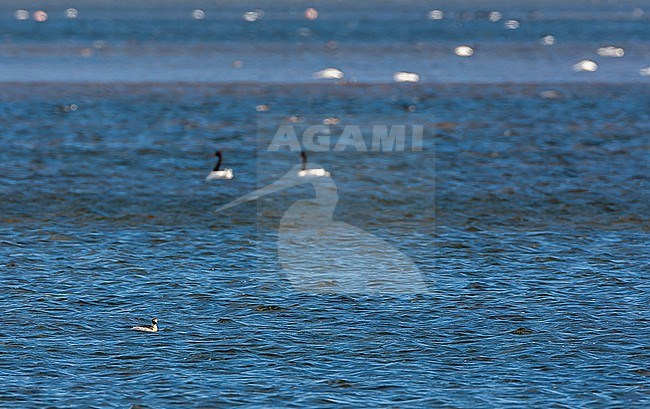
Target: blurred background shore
(289,41)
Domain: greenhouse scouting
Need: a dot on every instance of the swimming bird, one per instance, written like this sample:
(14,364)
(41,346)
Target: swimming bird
(321,255)
(220,174)
(329,73)
(148,328)
(318,172)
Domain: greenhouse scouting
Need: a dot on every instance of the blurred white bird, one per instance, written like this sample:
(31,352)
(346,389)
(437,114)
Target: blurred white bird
(329,73)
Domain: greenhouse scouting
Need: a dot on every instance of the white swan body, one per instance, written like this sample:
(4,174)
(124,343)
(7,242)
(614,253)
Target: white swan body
(220,174)
(148,328)
(318,173)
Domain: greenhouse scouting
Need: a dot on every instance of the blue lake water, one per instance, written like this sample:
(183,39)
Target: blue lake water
(525,212)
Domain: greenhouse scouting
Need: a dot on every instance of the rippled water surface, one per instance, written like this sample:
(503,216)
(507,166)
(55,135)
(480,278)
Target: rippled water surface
(517,234)
(528,218)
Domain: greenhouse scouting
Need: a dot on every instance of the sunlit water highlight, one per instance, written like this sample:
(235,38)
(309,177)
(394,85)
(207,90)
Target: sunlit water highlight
(284,42)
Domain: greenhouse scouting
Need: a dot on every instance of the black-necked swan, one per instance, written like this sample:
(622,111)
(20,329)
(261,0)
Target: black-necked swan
(220,174)
(318,172)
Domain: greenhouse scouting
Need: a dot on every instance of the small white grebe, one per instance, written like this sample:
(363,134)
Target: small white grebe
(317,173)
(220,174)
(148,328)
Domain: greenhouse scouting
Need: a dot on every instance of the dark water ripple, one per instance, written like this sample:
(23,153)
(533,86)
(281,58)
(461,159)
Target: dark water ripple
(527,217)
